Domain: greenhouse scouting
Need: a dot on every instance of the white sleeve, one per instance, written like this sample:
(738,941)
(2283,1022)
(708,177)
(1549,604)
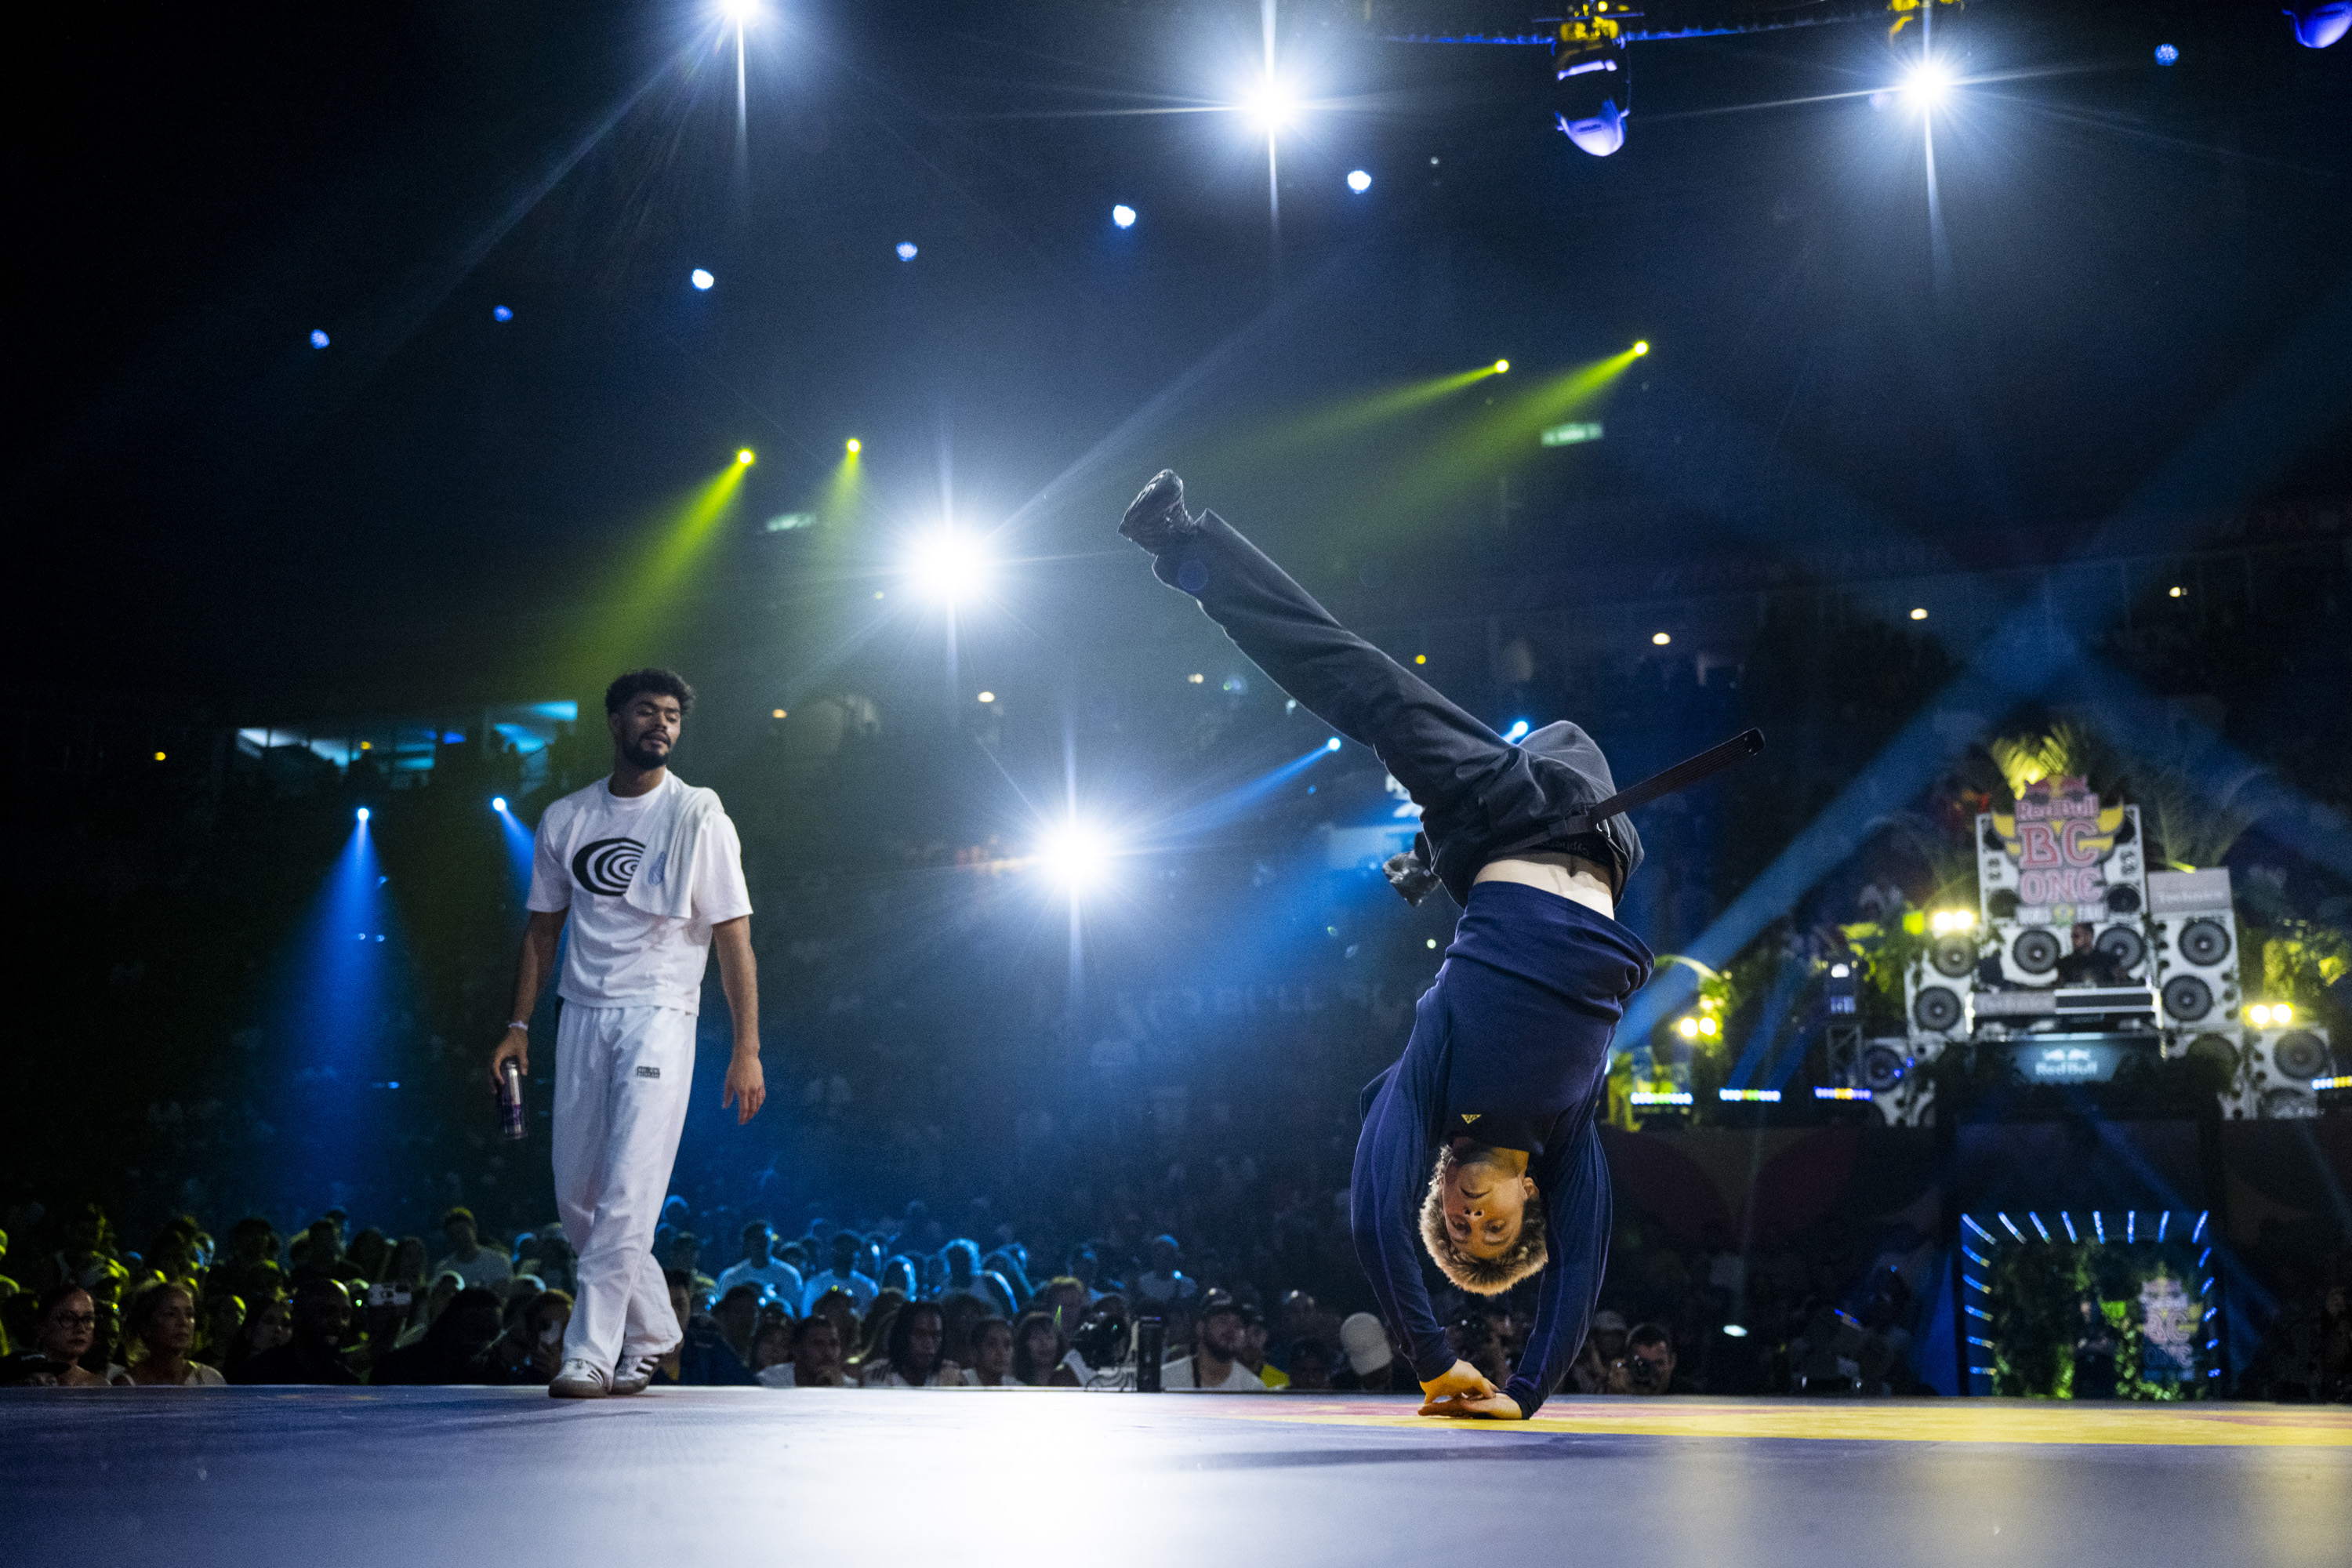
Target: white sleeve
(720,891)
(550,880)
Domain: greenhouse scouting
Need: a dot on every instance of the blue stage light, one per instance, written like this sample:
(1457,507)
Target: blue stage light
(907,251)
(363,813)
(1517,732)
(2317,26)
(498,803)
(700,277)
(2166,54)
(1333,744)
(318,338)
(500,314)
(1359,181)
(1123,216)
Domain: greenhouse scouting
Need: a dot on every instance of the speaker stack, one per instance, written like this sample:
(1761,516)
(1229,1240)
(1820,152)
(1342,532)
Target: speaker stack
(2029,926)
(2280,1068)
(2195,951)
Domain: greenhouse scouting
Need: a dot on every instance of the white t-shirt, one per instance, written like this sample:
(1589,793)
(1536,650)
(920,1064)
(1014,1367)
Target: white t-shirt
(779,1375)
(489,1265)
(860,1289)
(586,848)
(1239,1379)
(775,1274)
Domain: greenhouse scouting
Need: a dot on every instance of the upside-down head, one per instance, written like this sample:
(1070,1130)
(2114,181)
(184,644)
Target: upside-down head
(1482,1222)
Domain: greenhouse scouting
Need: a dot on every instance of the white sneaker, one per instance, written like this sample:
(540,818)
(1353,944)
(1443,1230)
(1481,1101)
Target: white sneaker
(579,1380)
(636,1373)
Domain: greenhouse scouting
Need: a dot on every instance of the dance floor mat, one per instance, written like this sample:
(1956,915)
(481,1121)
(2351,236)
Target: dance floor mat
(356,1477)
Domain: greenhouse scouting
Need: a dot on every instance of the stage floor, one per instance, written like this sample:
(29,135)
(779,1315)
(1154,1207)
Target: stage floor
(258,1478)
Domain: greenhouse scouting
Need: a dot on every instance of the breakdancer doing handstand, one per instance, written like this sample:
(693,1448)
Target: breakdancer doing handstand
(1480,1139)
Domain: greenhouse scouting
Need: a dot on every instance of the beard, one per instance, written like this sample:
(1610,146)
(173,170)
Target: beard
(646,752)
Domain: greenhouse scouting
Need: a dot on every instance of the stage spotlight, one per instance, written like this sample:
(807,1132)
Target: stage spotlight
(500,314)
(700,277)
(363,814)
(2167,55)
(740,13)
(158,757)
(1330,745)
(1919,614)
(1928,84)
(498,803)
(775,712)
(854,446)
(1359,181)
(746,457)
(949,566)
(907,251)
(1077,854)
(1592,88)
(1271,105)
(2176,591)
(318,338)
(2317,26)
(1123,216)
(1737,1330)
(1662,638)
(1517,732)
(1502,366)
(988,697)
(1687,1027)
(1640,348)
(1948,922)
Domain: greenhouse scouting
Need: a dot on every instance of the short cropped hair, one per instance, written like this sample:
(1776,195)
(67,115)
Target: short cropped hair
(1479,1276)
(637,682)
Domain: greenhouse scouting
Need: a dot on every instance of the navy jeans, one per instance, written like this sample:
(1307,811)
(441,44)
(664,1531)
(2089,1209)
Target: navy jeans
(1481,796)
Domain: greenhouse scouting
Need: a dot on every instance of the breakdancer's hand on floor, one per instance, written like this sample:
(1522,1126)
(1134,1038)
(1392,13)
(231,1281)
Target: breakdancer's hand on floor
(1457,1380)
(1474,1407)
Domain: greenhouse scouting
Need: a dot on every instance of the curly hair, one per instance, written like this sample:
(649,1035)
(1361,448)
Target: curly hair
(666,682)
(1480,1276)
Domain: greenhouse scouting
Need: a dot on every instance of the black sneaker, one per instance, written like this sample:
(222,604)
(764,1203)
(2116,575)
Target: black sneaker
(1157,519)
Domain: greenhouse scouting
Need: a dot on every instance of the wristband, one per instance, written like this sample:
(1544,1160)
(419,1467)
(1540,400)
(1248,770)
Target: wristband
(518,1024)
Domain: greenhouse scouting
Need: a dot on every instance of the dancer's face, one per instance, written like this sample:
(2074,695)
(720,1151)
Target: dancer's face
(646,728)
(1484,1206)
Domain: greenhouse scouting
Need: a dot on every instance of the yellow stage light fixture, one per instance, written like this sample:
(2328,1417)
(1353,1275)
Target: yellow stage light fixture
(746,457)
(158,757)
(1501,366)
(855,446)
(988,697)
(1687,1027)
(1709,1027)
(775,712)
(1642,347)
(2176,591)
(1919,614)
(1421,658)
(1662,638)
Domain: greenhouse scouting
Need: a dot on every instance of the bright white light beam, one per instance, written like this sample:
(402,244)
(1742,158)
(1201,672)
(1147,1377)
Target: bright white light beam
(1077,855)
(949,566)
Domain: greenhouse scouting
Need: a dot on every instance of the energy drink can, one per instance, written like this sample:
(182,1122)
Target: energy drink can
(510,1101)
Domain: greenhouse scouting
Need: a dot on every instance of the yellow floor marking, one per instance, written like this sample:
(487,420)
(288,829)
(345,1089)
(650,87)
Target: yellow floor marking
(1872,1421)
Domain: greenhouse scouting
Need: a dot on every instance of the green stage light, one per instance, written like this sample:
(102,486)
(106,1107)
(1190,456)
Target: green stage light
(1502,366)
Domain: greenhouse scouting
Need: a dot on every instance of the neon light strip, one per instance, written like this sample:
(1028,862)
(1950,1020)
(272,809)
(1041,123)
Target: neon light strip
(1981,1262)
(1987,1344)
(1973,1283)
(2040,1230)
(1753,1096)
(1646,1097)
(1971,1221)
(2099,1224)
(2010,1226)
(1841,1094)
(2163,1224)
(2068,1221)
(2341,1080)
(2199,1234)
(2131,1227)
(1978,1312)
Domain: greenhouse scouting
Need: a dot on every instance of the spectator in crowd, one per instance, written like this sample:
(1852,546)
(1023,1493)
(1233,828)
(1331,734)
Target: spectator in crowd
(86,1260)
(370,1254)
(159,1329)
(219,1317)
(1163,1283)
(64,1329)
(456,1348)
(1037,1353)
(736,1316)
(1310,1367)
(842,1276)
(321,1315)
(1253,1356)
(1372,1366)
(840,1309)
(559,1264)
(251,1269)
(267,1325)
(912,1358)
(1647,1365)
(772,1346)
(991,1353)
(684,1254)
(533,1352)
(319,1253)
(1604,1344)
(702,1358)
(966,1278)
(1214,1364)
(1084,1265)
(816,1357)
(761,1266)
(469,1259)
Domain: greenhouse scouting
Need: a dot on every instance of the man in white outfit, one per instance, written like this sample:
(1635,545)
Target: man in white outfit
(649,872)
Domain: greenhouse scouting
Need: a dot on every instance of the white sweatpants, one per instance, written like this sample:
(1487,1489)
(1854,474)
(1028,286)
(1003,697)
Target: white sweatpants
(620,1080)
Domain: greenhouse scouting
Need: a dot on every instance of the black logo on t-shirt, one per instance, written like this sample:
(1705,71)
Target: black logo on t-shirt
(605,865)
